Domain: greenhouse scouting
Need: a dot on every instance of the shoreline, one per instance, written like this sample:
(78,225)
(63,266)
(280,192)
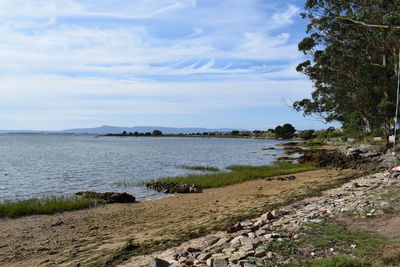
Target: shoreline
(101,235)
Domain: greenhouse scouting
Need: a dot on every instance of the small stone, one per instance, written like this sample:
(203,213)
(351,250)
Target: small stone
(182,259)
(260,232)
(237,239)
(204,256)
(155,262)
(250,253)
(235,258)
(192,250)
(247,248)
(260,252)
(267,216)
(276,213)
(220,263)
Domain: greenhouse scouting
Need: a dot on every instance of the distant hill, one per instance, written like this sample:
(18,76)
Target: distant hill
(105,129)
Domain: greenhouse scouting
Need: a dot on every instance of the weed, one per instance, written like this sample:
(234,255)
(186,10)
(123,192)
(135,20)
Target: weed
(238,174)
(337,261)
(49,205)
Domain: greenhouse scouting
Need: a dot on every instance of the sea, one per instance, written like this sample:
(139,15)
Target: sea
(41,165)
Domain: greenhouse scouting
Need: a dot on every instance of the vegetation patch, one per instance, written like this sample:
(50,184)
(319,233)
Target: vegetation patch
(49,205)
(238,174)
(199,168)
(335,261)
(338,237)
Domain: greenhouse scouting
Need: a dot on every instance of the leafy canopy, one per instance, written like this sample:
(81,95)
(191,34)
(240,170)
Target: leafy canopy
(354,47)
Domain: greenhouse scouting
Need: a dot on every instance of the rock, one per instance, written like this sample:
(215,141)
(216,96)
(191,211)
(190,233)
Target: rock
(220,263)
(276,213)
(204,256)
(270,255)
(236,240)
(171,188)
(192,250)
(155,262)
(108,197)
(220,242)
(246,248)
(267,216)
(236,257)
(234,228)
(260,252)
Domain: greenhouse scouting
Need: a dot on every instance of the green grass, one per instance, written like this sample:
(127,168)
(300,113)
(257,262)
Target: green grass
(337,261)
(49,205)
(238,174)
(199,168)
(329,235)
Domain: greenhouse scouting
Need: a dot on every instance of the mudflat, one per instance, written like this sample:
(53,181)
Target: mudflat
(109,234)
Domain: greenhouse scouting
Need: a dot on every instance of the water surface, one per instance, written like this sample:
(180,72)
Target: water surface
(44,165)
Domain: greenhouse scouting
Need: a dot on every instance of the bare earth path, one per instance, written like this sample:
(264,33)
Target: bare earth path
(100,236)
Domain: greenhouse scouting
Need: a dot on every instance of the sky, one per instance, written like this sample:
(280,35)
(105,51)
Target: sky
(175,63)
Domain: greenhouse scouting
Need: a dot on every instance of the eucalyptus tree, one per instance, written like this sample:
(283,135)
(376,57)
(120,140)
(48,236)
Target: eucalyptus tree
(354,47)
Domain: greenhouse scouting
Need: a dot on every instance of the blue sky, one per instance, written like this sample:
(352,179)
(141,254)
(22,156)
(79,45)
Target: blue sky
(179,63)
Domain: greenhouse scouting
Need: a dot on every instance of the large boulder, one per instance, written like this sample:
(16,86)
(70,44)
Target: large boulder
(171,188)
(155,262)
(108,197)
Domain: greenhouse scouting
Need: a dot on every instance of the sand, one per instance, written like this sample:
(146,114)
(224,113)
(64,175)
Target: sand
(94,236)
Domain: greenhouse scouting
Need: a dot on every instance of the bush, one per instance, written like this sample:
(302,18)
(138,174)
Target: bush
(285,132)
(307,134)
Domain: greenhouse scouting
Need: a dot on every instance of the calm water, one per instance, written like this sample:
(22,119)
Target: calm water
(44,165)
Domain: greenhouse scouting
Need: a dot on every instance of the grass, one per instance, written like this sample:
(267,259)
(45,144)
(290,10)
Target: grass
(199,168)
(49,205)
(238,174)
(322,237)
(337,261)
(329,235)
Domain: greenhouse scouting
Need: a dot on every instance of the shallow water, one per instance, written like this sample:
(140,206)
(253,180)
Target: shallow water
(44,165)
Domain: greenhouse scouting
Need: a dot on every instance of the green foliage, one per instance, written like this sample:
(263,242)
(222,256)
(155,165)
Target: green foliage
(337,261)
(329,235)
(285,131)
(156,133)
(199,168)
(353,64)
(238,174)
(47,205)
(307,134)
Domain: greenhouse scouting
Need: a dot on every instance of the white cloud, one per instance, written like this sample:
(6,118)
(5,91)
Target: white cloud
(98,57)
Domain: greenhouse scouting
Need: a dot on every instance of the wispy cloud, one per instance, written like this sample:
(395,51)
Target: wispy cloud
(206,54)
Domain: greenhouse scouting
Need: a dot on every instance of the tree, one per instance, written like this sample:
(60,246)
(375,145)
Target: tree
(354,45)
(285,132)
(307,134)
(156,133)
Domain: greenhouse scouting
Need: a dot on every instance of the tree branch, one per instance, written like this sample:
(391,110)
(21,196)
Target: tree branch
(367,24)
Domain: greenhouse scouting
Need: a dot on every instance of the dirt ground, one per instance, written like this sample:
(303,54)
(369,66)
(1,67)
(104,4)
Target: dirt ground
(99,236)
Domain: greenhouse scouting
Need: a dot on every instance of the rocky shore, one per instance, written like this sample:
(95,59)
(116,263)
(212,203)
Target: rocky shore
(246,244)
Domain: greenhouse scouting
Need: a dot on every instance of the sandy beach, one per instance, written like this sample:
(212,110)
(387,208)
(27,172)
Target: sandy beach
(110,234)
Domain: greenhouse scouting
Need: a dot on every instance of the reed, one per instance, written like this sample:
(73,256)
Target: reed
(48,205)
